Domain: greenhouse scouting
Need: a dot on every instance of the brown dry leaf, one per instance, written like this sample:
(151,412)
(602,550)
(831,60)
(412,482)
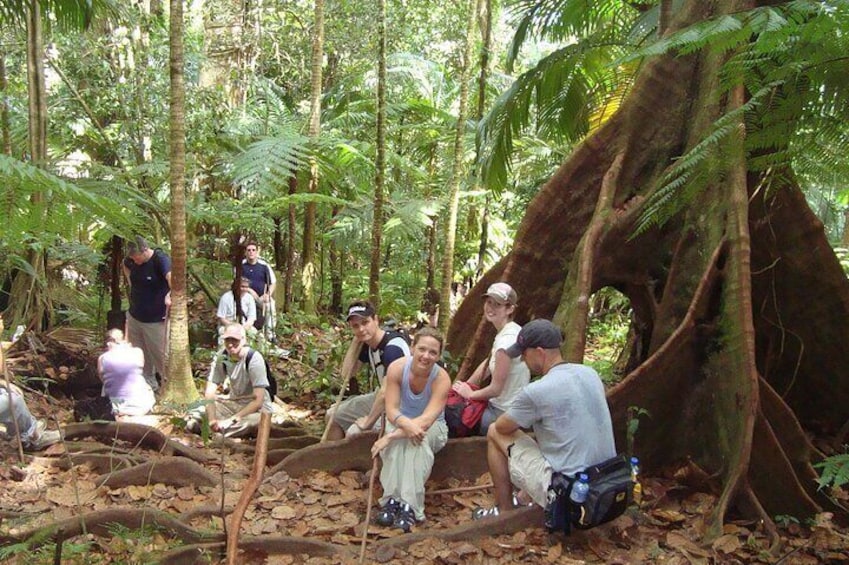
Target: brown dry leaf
(668,516)
(491,548)
(324,482)
(186,493)
(300,529)
(351,479)
(68,495)
(283,513)
(344,498)
(310,498)
(139,492)
(733,529)
(465,549)
(679,541)
(727,543)
(182,505)
(554,553)
(163,491)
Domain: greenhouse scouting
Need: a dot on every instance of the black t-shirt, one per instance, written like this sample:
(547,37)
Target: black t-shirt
(393,346)
(148,287)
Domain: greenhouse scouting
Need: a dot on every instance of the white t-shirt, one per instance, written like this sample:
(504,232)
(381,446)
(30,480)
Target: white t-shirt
(227,307)
(518,375)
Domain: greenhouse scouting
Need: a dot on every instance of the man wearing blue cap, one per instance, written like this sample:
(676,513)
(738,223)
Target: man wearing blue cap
(568,412)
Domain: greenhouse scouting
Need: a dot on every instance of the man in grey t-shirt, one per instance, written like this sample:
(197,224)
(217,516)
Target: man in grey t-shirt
(568,412)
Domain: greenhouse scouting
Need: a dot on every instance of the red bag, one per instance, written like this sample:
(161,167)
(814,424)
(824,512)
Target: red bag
(462,416)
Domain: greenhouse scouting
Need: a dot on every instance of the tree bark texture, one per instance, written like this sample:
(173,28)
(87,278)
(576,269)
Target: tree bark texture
(179,387)
(457,167)
(741,309)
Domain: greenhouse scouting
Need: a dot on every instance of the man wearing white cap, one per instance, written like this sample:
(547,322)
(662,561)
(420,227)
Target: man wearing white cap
(236,414)
(507,376)
(380,348)
(568,412)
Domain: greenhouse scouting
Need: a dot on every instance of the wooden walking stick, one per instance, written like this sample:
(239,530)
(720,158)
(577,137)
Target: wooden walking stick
(348,364)
(4,376)
(371,492)
(249,488)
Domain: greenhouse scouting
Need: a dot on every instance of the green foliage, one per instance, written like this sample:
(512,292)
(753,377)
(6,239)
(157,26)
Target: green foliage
(835,471)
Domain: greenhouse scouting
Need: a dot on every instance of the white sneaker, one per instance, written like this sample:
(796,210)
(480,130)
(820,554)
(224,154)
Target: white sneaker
(42,438)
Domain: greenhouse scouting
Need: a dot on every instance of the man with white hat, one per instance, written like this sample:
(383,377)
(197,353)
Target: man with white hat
(235,414)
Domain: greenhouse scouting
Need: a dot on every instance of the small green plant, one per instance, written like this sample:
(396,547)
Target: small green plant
(784,520)
(835,471)
(634,415)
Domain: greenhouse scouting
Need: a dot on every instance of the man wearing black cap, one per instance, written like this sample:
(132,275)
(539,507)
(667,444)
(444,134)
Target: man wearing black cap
(148,273)
(568,412)
(380,348)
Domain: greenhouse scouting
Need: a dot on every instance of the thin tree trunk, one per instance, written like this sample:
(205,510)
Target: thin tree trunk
(292,227)
(457,168)
(310,271)
(4,108)
(380,159)
(180,387)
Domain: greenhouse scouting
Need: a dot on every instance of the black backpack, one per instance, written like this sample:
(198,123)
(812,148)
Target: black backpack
(611,491)
(272,382)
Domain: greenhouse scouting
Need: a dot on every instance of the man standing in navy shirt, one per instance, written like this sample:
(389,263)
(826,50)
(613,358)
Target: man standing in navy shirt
(263,281)
(148,274)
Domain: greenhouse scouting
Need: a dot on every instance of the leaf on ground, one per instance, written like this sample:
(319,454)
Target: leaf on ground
(554,553)
(668,516)
(283,513)
(83,492)
(727,543)
(344,498)
(679,541)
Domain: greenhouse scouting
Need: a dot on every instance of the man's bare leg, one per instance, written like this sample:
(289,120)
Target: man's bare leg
(496,455)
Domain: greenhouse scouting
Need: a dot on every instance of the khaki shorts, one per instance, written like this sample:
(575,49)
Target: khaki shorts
(350,410)
(529,470)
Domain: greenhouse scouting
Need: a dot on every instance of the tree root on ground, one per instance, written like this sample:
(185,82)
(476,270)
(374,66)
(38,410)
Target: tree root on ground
(100,462)
(173,471)
(101,521)
(463,458)
(137,434)
(266,545)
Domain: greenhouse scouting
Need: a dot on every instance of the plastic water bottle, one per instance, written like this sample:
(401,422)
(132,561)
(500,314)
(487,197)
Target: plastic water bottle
(580,489)
(19,331)
(635,478)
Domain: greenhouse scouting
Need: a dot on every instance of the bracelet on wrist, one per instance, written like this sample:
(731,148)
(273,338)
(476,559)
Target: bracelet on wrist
(395,420)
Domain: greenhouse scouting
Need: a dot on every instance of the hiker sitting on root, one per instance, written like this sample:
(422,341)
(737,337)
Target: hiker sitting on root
(16,418)
(380,348)
(568,412)
(416,391)
(237,413)
(507,376)
(120,369)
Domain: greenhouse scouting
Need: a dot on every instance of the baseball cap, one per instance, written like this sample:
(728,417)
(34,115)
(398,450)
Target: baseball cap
(360,309)
(536,333)
(234,331)
(502,292)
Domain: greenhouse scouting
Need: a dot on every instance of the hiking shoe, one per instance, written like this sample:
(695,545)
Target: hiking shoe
(481,513)
(193,426)
(41,438)
(405,518)
(517,500)
(386,516)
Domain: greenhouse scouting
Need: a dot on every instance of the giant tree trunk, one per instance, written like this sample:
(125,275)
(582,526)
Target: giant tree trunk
(741,308)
